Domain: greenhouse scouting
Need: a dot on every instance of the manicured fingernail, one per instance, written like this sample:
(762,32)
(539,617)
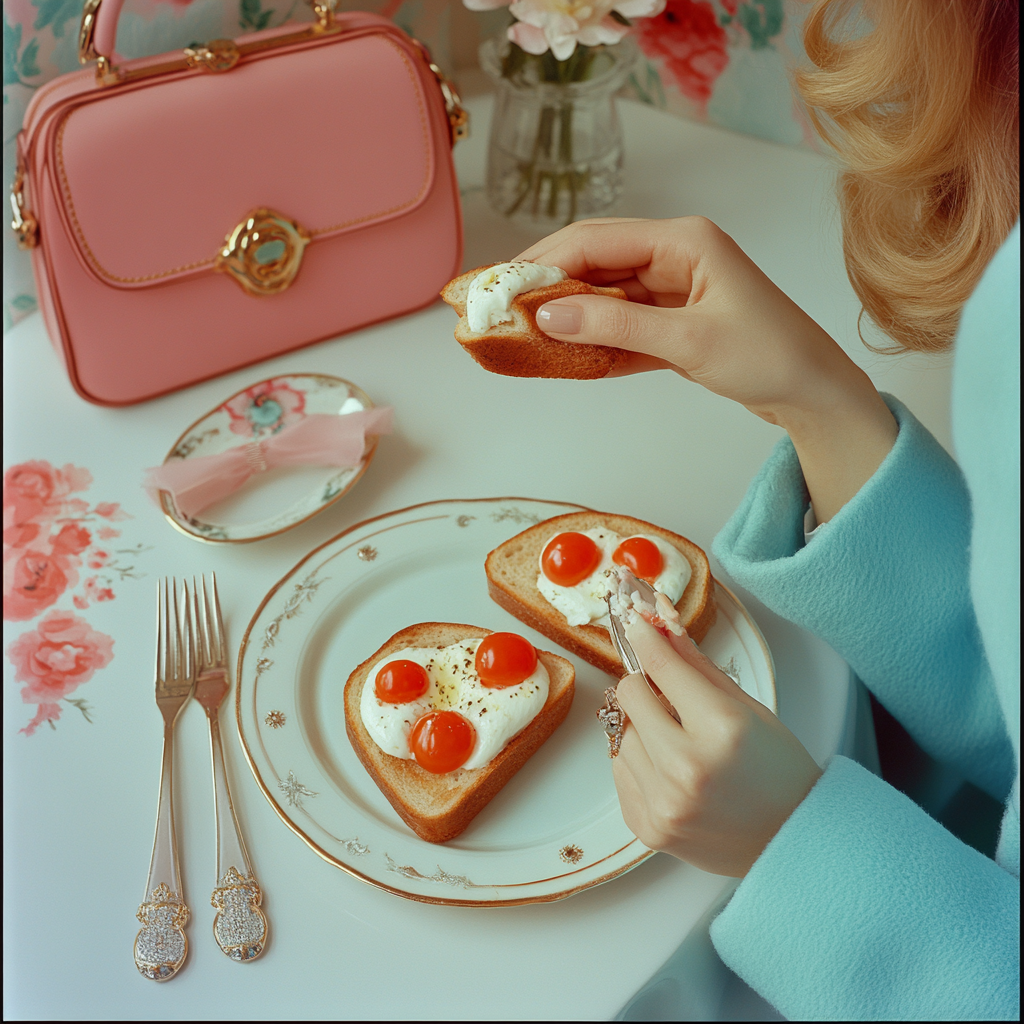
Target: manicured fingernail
(560,318)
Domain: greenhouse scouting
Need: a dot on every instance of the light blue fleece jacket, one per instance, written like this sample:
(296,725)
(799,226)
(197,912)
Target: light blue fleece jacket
(862,906)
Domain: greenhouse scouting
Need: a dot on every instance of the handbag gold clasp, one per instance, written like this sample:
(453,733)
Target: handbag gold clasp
(216,55)
(324,11)
(25,225)
(263,253)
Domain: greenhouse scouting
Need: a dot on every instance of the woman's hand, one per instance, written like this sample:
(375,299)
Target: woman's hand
(716,789)
(700,306)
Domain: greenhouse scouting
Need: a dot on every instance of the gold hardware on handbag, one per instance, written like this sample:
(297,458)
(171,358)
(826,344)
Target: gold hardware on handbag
(264,252)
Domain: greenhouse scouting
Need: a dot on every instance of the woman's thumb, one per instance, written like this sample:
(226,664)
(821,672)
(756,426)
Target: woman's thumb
(602,320)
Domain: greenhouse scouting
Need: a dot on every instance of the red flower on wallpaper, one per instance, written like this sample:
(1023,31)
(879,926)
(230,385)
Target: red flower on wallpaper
(688,40)
(54,659)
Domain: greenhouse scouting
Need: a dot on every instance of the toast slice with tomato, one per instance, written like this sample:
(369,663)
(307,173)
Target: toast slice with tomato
(438,807)
(513,568)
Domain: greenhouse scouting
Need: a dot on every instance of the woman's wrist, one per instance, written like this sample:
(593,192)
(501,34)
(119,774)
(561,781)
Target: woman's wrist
(840,442)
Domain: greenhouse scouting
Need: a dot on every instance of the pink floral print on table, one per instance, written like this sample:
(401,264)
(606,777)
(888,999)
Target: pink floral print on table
(35,491)
(265,409)
(54,659)
(48,533)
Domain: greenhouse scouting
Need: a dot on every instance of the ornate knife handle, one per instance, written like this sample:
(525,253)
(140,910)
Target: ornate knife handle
(240,926)
(161,945)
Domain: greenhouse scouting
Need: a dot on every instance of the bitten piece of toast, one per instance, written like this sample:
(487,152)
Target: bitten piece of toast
(520,348)
(438,807)
(512,569)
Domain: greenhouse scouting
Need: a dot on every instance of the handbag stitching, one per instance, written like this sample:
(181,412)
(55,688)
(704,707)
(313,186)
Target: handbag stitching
(91,256)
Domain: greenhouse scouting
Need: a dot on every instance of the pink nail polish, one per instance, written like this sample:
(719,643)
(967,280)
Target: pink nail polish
(560,318)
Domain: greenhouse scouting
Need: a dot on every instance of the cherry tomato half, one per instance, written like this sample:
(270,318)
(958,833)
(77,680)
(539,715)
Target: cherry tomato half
(442,741)
(641,556)
(569,558)
(399,682)
(505,659)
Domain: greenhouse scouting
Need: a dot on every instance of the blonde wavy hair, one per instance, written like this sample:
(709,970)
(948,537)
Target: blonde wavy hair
(919,98)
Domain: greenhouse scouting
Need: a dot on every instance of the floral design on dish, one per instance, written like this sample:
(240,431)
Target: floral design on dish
(265,408)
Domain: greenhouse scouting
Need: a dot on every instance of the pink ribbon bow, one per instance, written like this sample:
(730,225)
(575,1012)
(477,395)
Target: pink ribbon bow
(321,439)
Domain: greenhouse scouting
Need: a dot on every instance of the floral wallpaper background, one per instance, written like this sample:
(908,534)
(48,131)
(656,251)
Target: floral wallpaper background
(724,62)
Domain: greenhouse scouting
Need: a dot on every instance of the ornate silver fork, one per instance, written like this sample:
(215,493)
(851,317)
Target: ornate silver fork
(240,926)
(161,946)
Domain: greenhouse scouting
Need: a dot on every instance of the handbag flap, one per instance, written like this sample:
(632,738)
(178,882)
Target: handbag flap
(335,137)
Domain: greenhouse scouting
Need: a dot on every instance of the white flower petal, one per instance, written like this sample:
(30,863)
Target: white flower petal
(562,46)
(485,5)
(639,8)
(528,37)
(608,31)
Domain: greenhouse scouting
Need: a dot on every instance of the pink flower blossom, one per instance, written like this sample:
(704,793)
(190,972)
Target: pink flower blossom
(95,592)
(97,559)
(36,490)
(33,580)
(107,533)
(559,25)
(265,409)
(80,602)
(71,540)
(54,659)
(111,510)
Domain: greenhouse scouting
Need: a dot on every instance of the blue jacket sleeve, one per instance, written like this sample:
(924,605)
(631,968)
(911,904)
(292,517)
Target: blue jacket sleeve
(886,584)
(864,908)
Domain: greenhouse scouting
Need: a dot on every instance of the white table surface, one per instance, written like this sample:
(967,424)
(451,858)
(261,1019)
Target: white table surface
(79,801)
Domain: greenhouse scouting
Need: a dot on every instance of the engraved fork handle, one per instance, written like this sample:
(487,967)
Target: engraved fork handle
(161,945)
(240,926)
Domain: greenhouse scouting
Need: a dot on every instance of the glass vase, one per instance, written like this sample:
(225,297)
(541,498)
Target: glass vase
(555,150)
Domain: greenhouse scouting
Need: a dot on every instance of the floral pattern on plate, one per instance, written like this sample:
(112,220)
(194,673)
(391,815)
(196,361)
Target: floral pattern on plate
(253,414)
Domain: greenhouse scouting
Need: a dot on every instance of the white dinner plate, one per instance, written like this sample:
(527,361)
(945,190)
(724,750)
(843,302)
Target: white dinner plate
(554,830)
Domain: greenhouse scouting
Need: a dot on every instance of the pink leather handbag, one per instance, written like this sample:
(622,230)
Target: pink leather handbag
(197,211)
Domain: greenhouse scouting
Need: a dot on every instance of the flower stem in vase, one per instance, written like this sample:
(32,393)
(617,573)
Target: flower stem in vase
(556,145)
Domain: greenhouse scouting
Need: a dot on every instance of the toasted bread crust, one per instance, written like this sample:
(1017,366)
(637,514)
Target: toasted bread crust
(521,348)
(512,569)
(439,807)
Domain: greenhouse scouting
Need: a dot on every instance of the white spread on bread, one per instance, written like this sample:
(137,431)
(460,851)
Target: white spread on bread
(489,300)
(496,713)
(585,604)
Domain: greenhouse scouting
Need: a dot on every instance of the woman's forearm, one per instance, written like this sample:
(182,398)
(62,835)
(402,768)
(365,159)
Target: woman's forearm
(840,442)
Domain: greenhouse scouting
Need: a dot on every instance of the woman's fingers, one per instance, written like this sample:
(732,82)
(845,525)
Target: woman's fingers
(691,693)
(646,713)
(694,656)
(600,320)
(663,253)
(637,362)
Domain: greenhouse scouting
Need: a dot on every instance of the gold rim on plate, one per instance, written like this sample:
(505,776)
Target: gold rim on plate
(642,853)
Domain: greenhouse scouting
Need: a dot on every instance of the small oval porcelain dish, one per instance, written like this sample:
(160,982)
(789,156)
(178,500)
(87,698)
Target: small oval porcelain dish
(269,503)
